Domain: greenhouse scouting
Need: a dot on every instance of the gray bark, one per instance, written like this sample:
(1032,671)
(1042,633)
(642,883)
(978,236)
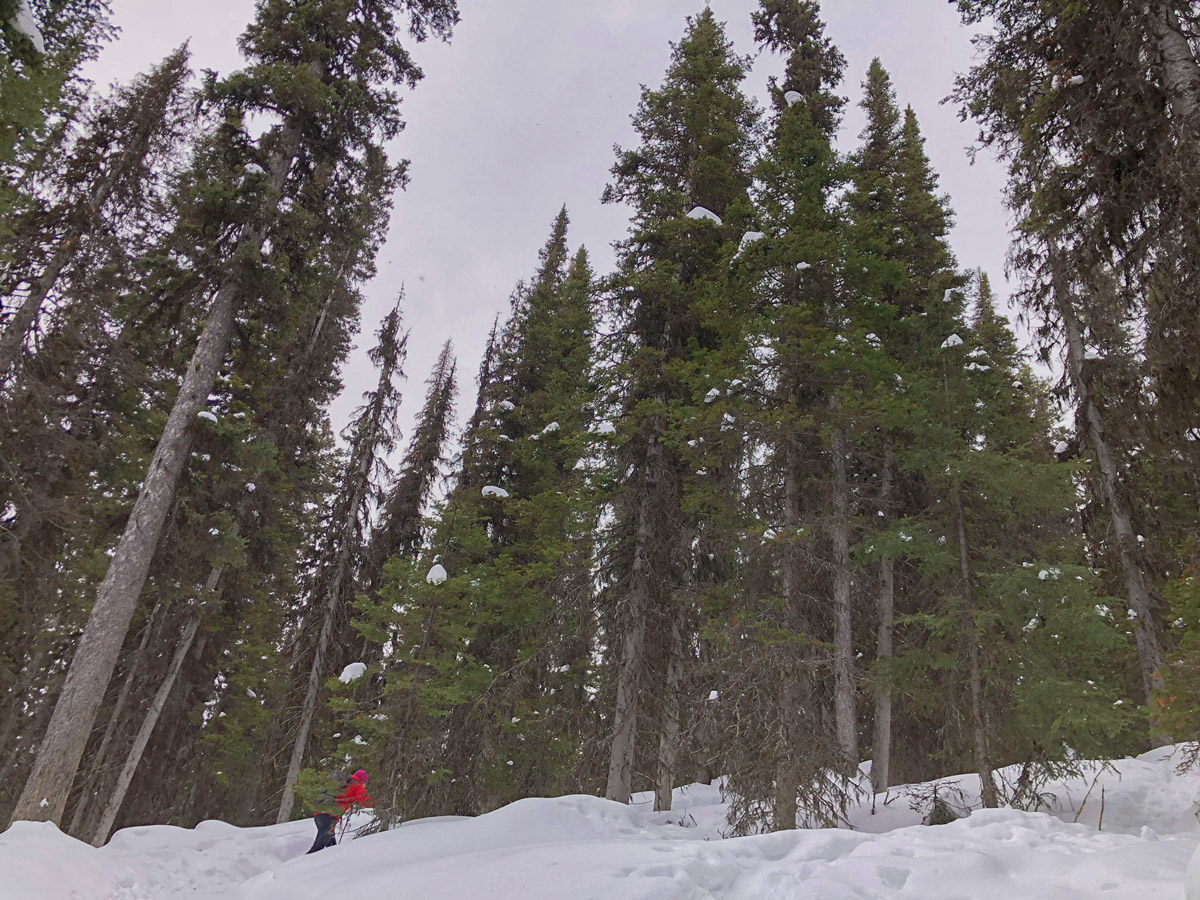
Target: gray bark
(881,749)
(1145,626)
(845,715)
(16,329)
(121,788)
(97,768)
(787,771)
(45,794)
(1180,69)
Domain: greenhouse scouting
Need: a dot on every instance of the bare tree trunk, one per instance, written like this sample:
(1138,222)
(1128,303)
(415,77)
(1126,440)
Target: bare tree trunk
(93,782)
(881,750)
(845,715)
(117,798)
(668,743)
(45,793)
(1145,626)
(787,771)
(625,714)
(983,762)
(288,799)
(1180,69)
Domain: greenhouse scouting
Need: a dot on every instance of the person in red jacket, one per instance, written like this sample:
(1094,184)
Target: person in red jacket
(354,794)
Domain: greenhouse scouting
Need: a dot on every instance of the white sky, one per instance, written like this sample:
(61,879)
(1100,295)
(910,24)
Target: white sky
(519,114)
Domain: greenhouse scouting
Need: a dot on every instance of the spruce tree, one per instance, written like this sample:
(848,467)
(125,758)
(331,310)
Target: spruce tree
(108,167)
(370,439)
(400,531)
(780,623)
(478,659)
(1094,110)
(340,87)
(687,182)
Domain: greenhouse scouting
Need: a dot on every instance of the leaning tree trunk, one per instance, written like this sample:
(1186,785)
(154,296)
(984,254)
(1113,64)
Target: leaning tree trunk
(117,798)
(45,793)
(881,749)
(983,761)
(93,783)
(845,715)
(1145,626)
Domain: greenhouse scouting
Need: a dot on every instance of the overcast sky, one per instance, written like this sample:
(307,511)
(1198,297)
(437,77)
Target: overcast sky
(519,114)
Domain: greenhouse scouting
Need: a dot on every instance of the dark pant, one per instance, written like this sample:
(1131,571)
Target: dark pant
(325,826)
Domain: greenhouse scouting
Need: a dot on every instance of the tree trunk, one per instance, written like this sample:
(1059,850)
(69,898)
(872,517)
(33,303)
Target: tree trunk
(17,328)
(983,762)
(1180,69)
(668,743)
(96,774)
(1145,626)
(45,793)
(117,798)
(625,714)
(882,745)
(787,771)
(845,716)
(794,687)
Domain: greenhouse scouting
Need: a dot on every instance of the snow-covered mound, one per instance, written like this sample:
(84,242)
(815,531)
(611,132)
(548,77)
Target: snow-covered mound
(584,847)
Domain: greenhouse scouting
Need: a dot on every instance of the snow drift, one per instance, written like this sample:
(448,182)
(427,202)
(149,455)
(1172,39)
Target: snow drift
(585,847)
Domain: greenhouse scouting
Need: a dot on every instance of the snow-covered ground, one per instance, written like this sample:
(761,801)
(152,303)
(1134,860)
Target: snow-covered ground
(584,848)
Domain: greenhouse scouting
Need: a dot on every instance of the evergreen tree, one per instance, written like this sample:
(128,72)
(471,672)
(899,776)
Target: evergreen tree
(71,421)
(479,660)
(111,166)
(1095,110)
(781,623)
(41,89)
(400,531)
(696,141)
(339,87)
(370,439)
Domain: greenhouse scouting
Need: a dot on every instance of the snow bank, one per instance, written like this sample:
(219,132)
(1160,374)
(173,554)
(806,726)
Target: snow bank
(436,574)
(585,847)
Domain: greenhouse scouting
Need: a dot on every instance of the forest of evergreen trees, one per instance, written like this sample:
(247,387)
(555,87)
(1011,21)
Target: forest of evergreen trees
(780,493)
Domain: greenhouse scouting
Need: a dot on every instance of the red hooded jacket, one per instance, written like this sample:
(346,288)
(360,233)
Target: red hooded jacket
(355,792)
